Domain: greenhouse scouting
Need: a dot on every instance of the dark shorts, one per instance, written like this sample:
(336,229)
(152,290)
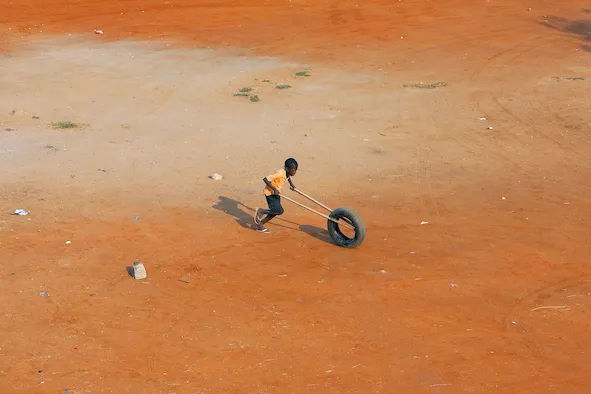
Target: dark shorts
(275,204)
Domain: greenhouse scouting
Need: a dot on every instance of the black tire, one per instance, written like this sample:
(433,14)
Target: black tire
(353,218)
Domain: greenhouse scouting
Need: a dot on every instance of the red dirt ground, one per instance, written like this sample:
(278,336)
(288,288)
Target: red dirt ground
(325,30)
(445,307)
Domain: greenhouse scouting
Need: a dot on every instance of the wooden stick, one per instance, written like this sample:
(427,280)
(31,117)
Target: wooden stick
(311,199)
(318,213)
(322,205)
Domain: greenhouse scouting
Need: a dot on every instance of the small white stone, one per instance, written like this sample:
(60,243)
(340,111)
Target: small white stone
(139,271)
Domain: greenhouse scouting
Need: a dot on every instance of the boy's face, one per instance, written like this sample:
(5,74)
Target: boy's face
(291,171)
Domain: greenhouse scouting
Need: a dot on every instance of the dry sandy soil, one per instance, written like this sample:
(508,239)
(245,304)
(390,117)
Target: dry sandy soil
(472,116)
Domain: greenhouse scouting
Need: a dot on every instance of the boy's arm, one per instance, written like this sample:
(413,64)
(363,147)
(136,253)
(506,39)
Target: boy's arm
(270,185)
(291,184)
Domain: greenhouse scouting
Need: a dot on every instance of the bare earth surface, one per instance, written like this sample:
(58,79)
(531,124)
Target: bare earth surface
(472,116)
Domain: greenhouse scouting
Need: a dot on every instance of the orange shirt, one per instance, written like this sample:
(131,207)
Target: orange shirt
(277,180)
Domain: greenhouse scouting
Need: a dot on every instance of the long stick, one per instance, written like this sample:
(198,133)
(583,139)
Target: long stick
(318,213)
(319,203)
(311,199)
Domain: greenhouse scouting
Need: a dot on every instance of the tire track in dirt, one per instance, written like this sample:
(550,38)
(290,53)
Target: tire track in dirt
(482,145)
(474,141)
(551,116)
(536,298)
(492,69)
(532,121)
(501,53)
(509,162)
(434,205)
(437,104)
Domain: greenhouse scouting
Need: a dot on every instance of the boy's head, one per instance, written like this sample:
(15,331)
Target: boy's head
(291,166)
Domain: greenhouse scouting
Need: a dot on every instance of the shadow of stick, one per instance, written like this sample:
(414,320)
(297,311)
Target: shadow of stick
(317,232)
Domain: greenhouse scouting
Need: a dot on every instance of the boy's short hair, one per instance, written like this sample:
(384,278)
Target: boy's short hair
(291,163)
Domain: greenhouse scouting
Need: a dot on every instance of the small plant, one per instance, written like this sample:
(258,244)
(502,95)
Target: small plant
(575,78)
(245,92)
(283,86)
(421,85)
(266,80)
(65,124)
(304,73)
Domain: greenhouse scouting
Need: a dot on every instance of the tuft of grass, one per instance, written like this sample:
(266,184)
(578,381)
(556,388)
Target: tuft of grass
(241,95)
(283,86)
(65,124)
(245,90)
(255,98)
(421,85)
(569,78)
(304,73)
(266,80)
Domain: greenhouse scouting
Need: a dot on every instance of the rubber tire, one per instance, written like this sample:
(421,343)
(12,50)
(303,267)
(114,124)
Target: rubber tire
(355,219)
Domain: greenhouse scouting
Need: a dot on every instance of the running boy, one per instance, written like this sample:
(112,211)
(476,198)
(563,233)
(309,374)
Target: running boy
(272,191)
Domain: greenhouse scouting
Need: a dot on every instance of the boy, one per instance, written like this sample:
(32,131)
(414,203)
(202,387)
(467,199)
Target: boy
(274,183)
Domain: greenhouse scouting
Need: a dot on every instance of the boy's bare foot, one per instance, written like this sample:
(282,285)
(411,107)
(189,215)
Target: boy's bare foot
(261,228)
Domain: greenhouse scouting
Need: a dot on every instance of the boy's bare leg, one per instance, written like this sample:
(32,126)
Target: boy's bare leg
(267,218)
(257,216)
(260,225)
(259,213)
